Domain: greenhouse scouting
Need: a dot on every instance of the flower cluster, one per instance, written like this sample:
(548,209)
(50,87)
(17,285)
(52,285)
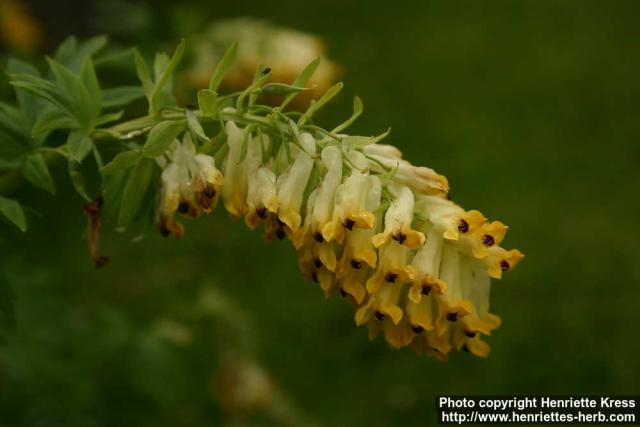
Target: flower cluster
(367,225)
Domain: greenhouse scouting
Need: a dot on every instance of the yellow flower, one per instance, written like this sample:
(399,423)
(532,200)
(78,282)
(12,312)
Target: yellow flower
(500,260)
(427,265)
(382,304)
(292,183)
(421,180)
(190,185)
(398,220)
(262,197)
(350,210)
(489,235)
(321,200)
(235,188)
(393,267)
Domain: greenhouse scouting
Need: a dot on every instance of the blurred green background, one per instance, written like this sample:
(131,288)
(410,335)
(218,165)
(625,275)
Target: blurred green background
(530,108)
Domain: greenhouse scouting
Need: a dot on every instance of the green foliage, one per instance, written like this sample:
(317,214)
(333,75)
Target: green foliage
(12,211)
(134,190)
(301,80)
(223,67)
(161,136)
(35,170)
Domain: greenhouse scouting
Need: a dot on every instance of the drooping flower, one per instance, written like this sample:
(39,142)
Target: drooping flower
(191,184)
(366,224)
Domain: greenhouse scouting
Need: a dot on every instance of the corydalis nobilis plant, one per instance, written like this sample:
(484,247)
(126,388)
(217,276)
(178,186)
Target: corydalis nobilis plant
(366,224)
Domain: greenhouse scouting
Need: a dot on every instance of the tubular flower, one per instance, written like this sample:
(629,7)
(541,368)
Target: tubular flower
(190,185)
(350,203)
(366,224)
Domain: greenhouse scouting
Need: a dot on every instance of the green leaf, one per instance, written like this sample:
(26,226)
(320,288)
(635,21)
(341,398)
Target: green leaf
(76,94)
(163,78)
(51,120)
(122,161)
(244,148)
(90,81)
(161,136)
(36,171)
(79,144)
(110,117)
(27,101)
(315,106)
(77,179)
(120,96)
(13,121)
(353,142)
(223,67)
(43,89)
(72,53)
(207,101)
(357,111)
(135,190)
(302,80)
(11,152)
(143,74)
(195,127)
(281,89)
(12,210)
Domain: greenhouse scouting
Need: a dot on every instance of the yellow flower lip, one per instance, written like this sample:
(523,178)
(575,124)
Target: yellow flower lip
(501,260)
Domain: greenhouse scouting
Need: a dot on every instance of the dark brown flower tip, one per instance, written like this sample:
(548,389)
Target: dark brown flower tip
(348,224)
(417,329)
(318,237)
(261,212)
(470,334)
(378,315)
(466,349)
(164,231)
(317,262)
(209,191)
(355,264)
(280,234)
(426,289)
(463,226)
(504,265)
(452,317)
(488,240)
(399,237)
(183,207)
(343,293)
(391,277)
